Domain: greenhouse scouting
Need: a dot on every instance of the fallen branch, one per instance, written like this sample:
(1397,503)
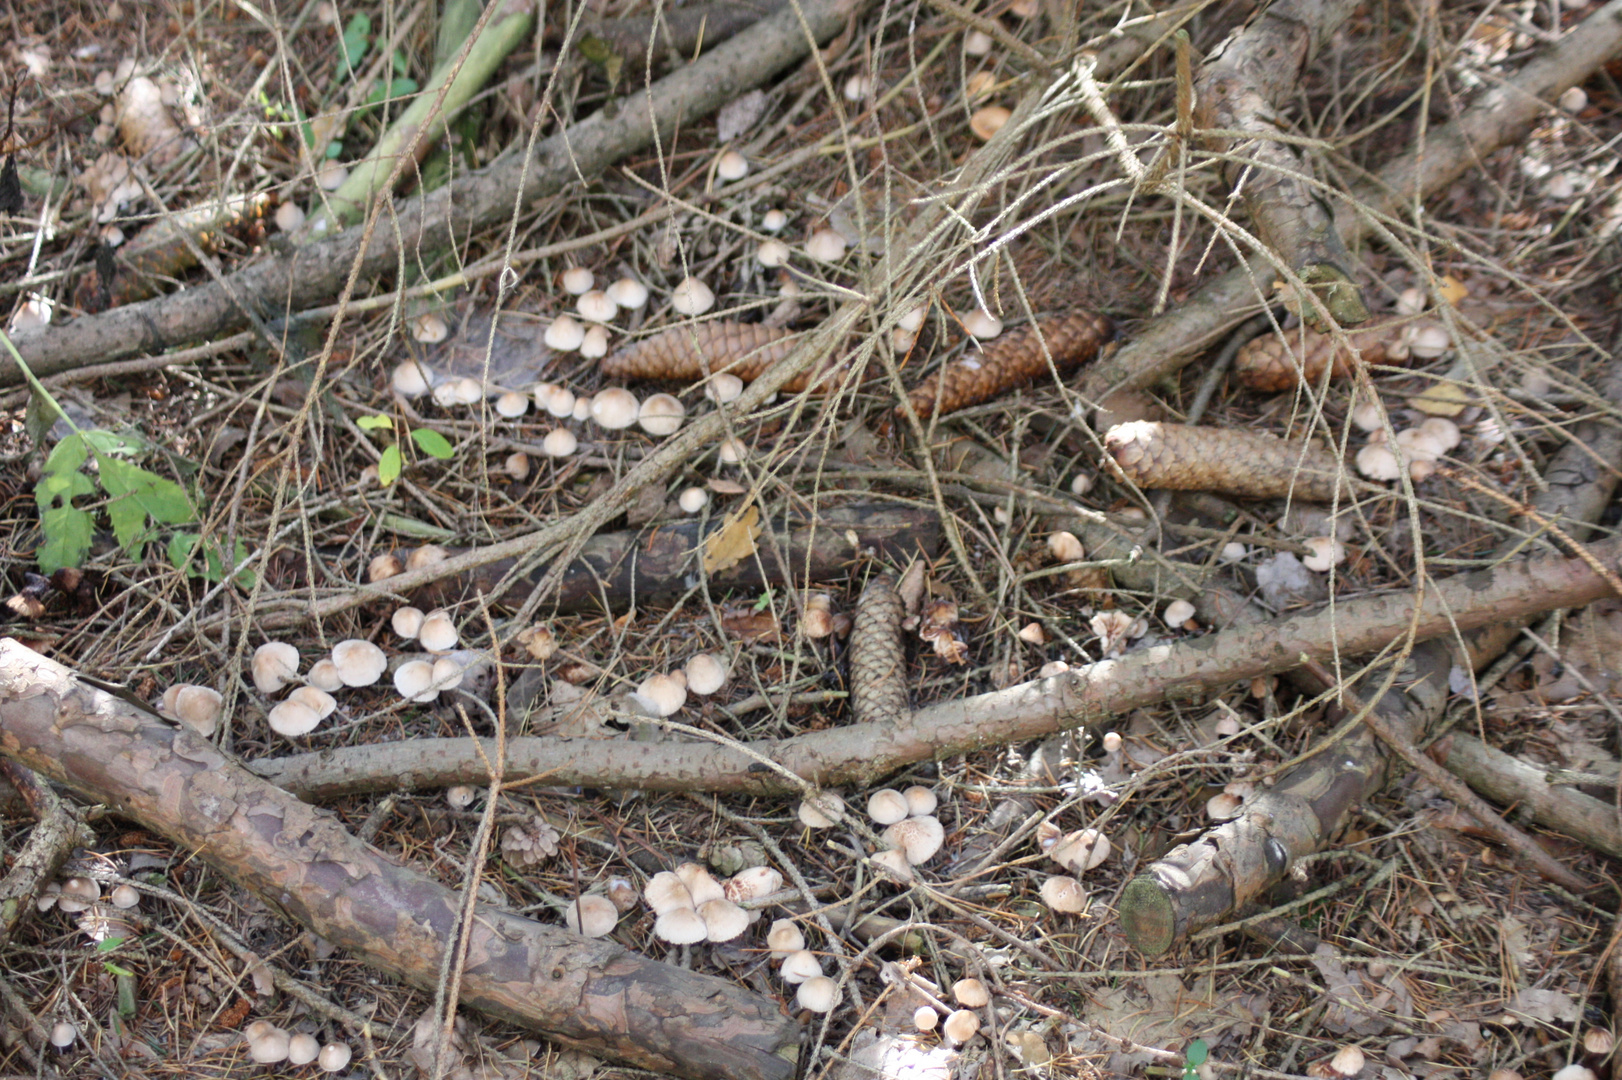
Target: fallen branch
(1498,118)
(1512,782)
(863,753)
(583,992)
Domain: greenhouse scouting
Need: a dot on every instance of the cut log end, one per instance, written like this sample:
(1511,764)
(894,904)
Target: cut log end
(1147,916)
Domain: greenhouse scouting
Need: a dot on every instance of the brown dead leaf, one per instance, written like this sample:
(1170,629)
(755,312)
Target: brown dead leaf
(733,542)
(939,627)
(748,625)
(722,486)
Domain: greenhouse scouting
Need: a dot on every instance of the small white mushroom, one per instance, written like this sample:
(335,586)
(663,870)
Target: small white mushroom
(425,556)
(77,894)
(752,883)
(1377,462)
(564,334)
(1234,551)
(438,631)
(302,1049)
(701,884)
(723,387)
(410,379)
(773,220)
(125,897)
(731,452)
(269,1047)
(977,43)
(925,1018)
(1033,634)
(1326,553)
(691,501)
(289,215)
(292,718)
(596,307)
(1368,415)
(692,297)
(429,328)
(614,408)
(200,708)
(1065,548)
(1178,613)
(971,993)
(705,674)
(1427,341)
(666,892)
(559,443)
(63,1034)
(825,813)
(680,926)
(918,837)
(448,672)
(582,408)
(731,166)
(359,662)
(800,966)
(322,702)
(407,622)
(591,916)
(819,994)
(382,567)
(577,280)
(893,861)
(516,465)
(772,253)
(982,324)
(825,245)
(465,391)
(413,679)
(920,800)
(989,120)
(1081,850)
(1347,1062)
(594,346)
(275,664)
(554,400)
(511,404)
(461,796)
(1442,432)
(331,176)
(784,937)
(857,88)
(723,920)
(1052,668)
(334,1057)
(661,415)
(1064,894)
(1223,806)
(961,1026)
(628,293)
(660,696)
(887,806)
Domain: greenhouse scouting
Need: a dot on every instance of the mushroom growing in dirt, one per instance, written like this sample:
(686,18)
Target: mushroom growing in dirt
(731,165)
(614,408)
(413,679)
(918,837)
(596,306)
(680,926)
(293,718)
(920,800)
(1081,851)
(961,1026)
(302,1049)
(660,696)
(359,662)
(559,443)
(591,916)
(661,415)
(971,993)
(827,811)
(334,1057)
(564,334)
(266,1045)
(692,297)
(63,1034)
(666,892)
(1178,613)
(784,937)
(982,324)
(825,245)
(438,631)
(818,994)
(887,806)
(628,293)
(322,702)
(275,664)
(577,280)
(723,920)
(1064,894)
(705,673)
(198,707)
(800,966)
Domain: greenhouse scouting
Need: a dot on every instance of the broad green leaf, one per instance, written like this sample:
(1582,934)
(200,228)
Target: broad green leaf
(181,546)
(352,45)
(397,58)
(53,487)
(67,532)
(335,149)
(388,466)
(103,441)
(108,945)
(433,443)
(137,495)
(374,423)
(1194,1056)
(68,455)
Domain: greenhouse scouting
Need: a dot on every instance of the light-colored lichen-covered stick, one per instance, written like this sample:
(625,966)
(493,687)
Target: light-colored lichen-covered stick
(878,664)
(1189,457)
(1007,363)
(590,993)
(696,350)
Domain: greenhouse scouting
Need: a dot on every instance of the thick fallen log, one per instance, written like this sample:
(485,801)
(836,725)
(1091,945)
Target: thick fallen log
(582,992)
(863,753)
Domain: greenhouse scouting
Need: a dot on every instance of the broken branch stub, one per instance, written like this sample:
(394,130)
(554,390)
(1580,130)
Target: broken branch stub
(588,993)
(1188,457)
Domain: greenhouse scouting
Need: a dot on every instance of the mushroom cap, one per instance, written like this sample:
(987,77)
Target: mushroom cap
(661,415)
(594,346)
(1081,850)
(1574,1072)
(1065,548)
(1032,634)
(772,253)
(198,707)
(1223,806)
(125,897)
(564,334)
(554,400)
(1377,462)
(302,1049)
(628,293)
(752,884)
(292,718)
(971,993)
(1598,1040)
(461,796)
(692,297)
(977,43)
(516,465)
(1064,894)
(706,673)
(384,566)
(438,632)
(887,806)
(359,662)
(407,622)
(918,837)
(425,556)
(1444,432)
(466,391)
(559,442)
(324,675)
(591,916)
(448,672)
(660,695)
(982,324)
(63,1034)
(894,863)
(77,893)
(680,926)
(731,165)
(316,698)
(825,245)
(334,1057)
(1427,341)
(773,220)
(701,884)
(723,920)
(512,404)
(731,452)
(1052,668)
(596,306)
(582,408)
(270,1047)
(825,814)
(819,994)
(614,408)
(691,501)
(989,120)
(784,937)
(1326,553)
(275,664)
(1348,1061)
(800,966)
(577,280)
(961,1025)
(665,892)
(1177,613)
(723,387)
(1367,415)
(410,379)
(925,1018)
(412,680)
(1112,741)
(920,800)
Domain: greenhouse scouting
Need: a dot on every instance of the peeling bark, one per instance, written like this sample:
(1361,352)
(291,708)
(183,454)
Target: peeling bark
(593,994)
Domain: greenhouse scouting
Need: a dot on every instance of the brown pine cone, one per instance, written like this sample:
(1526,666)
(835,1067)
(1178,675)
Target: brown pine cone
(1268,363)
(878,666)
(683,352)
(1185,457)
(1010,362)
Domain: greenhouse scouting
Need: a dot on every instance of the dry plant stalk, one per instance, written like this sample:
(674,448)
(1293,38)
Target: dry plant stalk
(1272,363)
(697,350)
(878,665)
(1011,362)
(1187,457)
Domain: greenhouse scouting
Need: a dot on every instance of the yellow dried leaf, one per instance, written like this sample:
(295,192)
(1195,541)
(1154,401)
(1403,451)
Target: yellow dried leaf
(733,542)
(1442,399)
(1451,289)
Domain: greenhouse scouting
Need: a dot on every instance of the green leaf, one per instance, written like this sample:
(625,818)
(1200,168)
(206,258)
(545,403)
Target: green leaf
(1195,1055)
(108,945)
(68,531)
(352,46)
(397,58)
(388,466)
(137,495)
(68,455)
(374,423)
(181,546)
(433,443)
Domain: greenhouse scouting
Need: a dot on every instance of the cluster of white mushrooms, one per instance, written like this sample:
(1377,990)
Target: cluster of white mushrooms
(1418,448)
(270,1045)
(912,834)
(663,694)
(1077,852)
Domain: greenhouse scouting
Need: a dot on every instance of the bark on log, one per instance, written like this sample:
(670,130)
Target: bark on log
(1204,883)
(863,753)
(588,993)
(649,565)
(1502,115)
(1243,85)
(1509,780)
(292,280)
